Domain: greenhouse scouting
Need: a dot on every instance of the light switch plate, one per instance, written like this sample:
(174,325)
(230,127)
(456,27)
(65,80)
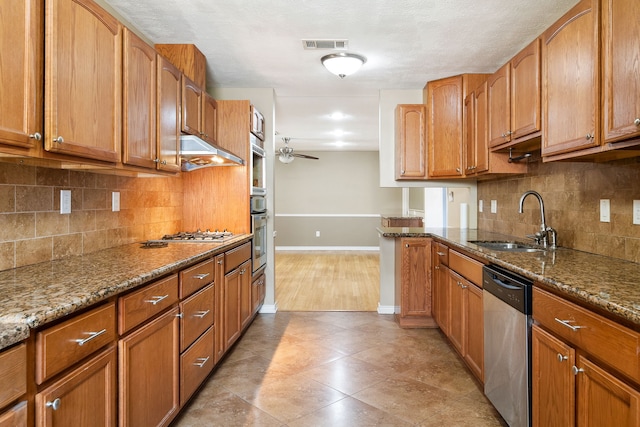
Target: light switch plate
(494,206)
(115,201)
(636,212)
(65,201)
(480,205)
(605,210)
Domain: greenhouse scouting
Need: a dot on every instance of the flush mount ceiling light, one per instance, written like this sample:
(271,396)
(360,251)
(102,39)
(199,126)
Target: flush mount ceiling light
(343,64)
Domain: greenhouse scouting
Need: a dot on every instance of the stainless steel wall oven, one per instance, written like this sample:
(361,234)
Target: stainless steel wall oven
(257,167)
(259,230)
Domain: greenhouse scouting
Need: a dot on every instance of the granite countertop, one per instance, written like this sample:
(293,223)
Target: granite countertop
(33,295)
(609,284)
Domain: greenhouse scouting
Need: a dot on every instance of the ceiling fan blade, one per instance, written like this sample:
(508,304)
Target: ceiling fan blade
(304,156)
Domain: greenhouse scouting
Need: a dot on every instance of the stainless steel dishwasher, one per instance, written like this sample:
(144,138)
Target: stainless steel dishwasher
(507,344)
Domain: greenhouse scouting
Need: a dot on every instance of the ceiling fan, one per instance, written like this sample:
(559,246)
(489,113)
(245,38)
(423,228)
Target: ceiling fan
(286,154)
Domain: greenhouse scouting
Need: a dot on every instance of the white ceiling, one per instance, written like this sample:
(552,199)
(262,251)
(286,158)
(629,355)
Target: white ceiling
(258,44)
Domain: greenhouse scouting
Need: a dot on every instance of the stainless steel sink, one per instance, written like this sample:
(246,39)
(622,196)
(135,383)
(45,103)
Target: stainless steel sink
(507,246)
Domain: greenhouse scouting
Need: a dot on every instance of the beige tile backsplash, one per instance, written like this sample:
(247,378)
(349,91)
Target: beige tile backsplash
(32,229)
(571,193)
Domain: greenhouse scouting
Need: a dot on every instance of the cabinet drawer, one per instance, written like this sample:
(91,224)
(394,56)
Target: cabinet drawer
(236,256)
(60,346)
(466,267)
(195,278)
(195,365)
(15,417)
(442,251)
(145,303)
(197,316)
(602,338)
(13,374)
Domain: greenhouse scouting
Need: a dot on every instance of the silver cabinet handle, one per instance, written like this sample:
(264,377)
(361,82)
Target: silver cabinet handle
(441,253)
(37,136)
(462,285)
(201,361)
(59,140)
(201,314)
(562,357)
(406,245)
(200,276)
(156,160)
(402,172)
(566,323)
(55,405)
(164,162)
(244,270)
(220,262)
(437,267)
(92,335)
(156,299)
(589,136)
(180,315)
(636,122)
(575,370)
(458,170)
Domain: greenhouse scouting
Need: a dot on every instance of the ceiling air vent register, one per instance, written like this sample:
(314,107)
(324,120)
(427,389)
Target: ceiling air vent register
(341,44)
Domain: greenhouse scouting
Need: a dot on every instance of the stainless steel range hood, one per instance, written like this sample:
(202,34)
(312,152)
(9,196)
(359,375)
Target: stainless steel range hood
(197,153)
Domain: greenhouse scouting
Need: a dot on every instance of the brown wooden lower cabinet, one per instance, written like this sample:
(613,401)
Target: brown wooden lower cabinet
(195,364)
(149,372)
(474,338)
(413,282)
(237,287)
(15,417)
(86,396)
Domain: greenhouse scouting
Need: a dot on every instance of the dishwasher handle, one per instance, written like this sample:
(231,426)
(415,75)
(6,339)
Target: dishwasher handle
(504,284)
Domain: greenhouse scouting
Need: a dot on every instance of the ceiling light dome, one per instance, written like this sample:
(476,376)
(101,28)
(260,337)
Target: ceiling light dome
(343,64)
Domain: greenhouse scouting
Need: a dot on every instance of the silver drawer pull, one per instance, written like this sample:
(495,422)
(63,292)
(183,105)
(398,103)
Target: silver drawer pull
(156,299)
(566,323)
(37,136)
(636,122)
(92,335)
(55,405)
(244,270)
(575,370)
(200,276)
(180,315)
(562,357)
(201,361)
(441,253)
(201,314)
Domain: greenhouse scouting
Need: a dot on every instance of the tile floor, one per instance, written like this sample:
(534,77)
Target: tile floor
(339,369)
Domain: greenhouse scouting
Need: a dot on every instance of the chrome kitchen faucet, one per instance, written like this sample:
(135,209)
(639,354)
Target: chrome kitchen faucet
(547,236)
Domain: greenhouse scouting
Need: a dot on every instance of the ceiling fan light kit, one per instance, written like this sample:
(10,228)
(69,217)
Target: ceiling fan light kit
(343,64)
(286,154)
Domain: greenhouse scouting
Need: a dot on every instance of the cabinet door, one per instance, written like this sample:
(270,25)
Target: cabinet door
(474,337)
(457,312)
(553,384)
(139,106)
(21,39)
(444,104)
(83,80)
(470,133)
(526,91)
(149,372)
(499,106)
(84,397)
(257,292)
(482,129)
(209,118)
(416,277)
(571,81)
(411,144)
(245,294)
(219,316)
(621,79)
(232,294)
(604,400)
(168,116)
(191,107)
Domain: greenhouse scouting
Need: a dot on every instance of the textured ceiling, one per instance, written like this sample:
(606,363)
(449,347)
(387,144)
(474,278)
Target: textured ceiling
(258,44)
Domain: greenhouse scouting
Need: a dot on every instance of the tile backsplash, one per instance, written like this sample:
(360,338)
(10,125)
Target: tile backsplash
(571,192)
(33,230)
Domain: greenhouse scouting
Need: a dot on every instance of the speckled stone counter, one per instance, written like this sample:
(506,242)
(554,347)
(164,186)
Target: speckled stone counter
(34,295)
(609,284)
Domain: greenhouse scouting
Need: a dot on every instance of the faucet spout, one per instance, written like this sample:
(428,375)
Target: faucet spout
(543,226)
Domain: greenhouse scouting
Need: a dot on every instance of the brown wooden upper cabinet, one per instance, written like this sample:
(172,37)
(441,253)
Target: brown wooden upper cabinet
(191,107)
(514,98)
(82,98)
(168,115)
(21,62)
(411,143)
(621,76)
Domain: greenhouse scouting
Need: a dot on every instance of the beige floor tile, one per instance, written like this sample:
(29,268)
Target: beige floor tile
(348,375)
(466,413)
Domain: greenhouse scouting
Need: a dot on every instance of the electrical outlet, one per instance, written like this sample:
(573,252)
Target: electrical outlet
(605,210)
(115,201)
(480,206)
(65,201)
(317,234)
(494,206)
(636,212)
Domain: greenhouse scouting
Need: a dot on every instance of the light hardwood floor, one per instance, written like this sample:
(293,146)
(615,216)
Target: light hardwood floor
(327,281)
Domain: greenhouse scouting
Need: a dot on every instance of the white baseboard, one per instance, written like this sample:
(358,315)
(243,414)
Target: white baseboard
(328,248)
(386,309)
(269,309)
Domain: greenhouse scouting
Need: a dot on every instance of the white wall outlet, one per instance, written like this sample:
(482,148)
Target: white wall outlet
(115,201)
(636,212)
(317,234)
(605,210)
(65,201)
(480,205)
(494,206)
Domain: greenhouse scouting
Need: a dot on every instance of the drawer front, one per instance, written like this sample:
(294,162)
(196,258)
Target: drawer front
(145,303)
(195,278)
(466,267)
(197,316)
(13,374)
(236,256)
(60,346)
(195,365)
(602,338)
(15,417)
(442,251)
